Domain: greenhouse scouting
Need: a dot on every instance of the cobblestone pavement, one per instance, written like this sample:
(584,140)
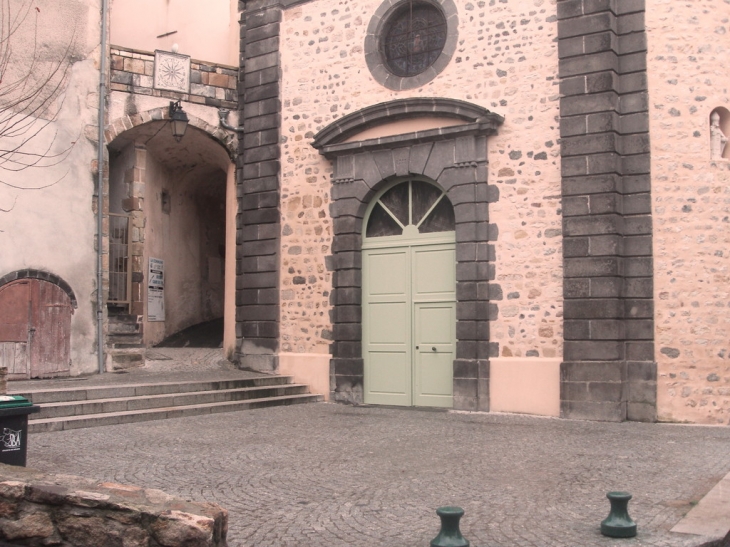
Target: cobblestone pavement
(326,474)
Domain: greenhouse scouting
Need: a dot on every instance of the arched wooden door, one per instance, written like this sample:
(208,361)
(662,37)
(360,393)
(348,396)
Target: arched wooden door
(35,329)
(409,297)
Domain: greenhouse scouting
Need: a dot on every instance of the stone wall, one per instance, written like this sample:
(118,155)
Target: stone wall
(133,72)
(688,79)
(506,60)
(204,30)
(258,222)
(608,371)
(48,209)
(44,509)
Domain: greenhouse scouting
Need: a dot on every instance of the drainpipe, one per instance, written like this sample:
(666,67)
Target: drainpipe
(100,191)
(223,118)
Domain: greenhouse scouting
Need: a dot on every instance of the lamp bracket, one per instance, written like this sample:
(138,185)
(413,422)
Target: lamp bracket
(174,107)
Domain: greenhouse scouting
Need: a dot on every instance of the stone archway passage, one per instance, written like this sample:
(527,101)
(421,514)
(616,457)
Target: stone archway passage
(179,201)
(35,329)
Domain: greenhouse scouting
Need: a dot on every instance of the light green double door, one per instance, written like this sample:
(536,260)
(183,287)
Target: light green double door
(409,324)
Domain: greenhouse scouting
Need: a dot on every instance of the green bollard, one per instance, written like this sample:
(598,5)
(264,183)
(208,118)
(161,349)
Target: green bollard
(618,524)
(450,535)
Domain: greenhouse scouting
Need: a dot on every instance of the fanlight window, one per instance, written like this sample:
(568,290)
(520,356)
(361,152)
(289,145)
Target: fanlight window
(415,204)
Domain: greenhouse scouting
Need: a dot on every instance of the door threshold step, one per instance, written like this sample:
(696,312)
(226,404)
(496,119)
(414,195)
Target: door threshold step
(114,418)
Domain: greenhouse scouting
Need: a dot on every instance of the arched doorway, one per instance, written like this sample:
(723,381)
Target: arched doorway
(453,155)
(409,296)
(35,329)
(172,257)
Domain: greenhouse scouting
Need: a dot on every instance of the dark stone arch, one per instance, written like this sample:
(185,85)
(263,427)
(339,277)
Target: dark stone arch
(226,139)
(31,273)
(455,158)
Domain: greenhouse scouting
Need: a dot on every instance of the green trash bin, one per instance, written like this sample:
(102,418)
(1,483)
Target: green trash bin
(14,411)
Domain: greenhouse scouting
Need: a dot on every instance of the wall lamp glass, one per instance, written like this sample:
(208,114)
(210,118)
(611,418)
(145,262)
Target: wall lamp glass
(178,119)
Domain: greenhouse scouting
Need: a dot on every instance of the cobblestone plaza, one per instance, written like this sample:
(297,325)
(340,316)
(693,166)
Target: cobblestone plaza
(325,474)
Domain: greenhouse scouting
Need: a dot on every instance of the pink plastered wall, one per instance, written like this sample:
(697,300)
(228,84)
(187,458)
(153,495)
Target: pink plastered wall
(688,52)
(206,31)
(506,60)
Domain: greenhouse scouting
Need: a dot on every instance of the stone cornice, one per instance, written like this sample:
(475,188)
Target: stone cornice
(482,128)
(480,121)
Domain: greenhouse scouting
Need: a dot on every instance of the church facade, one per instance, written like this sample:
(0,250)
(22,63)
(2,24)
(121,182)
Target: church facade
(489,205)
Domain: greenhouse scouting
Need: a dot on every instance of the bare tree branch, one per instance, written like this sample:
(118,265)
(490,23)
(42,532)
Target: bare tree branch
(11,207)
(30,95)
(17,187)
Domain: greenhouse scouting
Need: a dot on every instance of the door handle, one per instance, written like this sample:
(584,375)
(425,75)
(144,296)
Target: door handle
(416,347)
(433,349)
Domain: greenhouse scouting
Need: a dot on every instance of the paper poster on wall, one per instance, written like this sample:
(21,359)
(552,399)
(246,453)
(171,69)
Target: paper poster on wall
(156,290)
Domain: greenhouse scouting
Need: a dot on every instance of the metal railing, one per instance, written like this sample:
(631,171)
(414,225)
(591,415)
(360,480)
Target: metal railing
(120,263)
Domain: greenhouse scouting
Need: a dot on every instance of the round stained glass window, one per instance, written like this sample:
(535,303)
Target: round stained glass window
(413,38)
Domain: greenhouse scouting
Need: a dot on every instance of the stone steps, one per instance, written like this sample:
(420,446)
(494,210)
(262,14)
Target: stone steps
(91,406)
(125,341)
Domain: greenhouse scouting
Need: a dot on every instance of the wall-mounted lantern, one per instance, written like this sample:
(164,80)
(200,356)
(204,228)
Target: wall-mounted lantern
(178,119)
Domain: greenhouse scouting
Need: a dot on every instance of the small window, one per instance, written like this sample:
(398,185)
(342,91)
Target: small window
(413,38)
(412,203)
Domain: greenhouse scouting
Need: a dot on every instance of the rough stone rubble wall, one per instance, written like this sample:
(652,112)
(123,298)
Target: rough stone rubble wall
(44,509)
(133,72)
(688,78)
(506,61)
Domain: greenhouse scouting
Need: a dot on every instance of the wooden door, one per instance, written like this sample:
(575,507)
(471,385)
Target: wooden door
(50,342)
(15,321)
(433,365)
(387,326)
(409,296)
(434,324)
(35,329)
(409,325)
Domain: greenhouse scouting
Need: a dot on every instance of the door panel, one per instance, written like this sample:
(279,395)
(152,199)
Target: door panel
(14,356)
(389,378)
(387,272)
(388,355)
(15,317)
(434,272)
(388,323)
(386,327)
(35,329)
(50,341)
(435,325)
(408,301)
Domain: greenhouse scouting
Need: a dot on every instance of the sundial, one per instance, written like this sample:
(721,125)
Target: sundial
(172,71)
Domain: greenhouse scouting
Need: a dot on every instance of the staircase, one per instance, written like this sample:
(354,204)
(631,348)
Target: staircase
(124,343)
(78,407)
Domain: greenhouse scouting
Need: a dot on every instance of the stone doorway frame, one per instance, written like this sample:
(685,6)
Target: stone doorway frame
(455,157)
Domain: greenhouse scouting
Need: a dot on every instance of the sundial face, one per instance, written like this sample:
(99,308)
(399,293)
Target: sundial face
(172,71)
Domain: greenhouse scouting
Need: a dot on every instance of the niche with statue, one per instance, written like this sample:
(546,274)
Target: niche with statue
(719,131)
